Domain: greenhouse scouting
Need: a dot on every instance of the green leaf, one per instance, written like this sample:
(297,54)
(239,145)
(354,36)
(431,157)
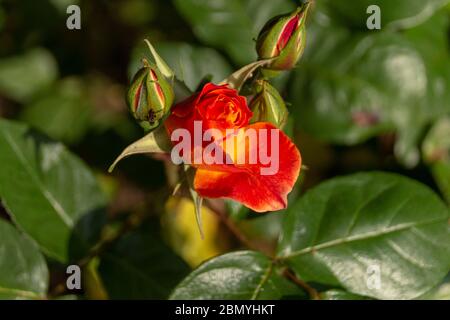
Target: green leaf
(23,270)
(44,187)
(349,230)
(90,230)
(436,152)
(440,292)
(441,174)
(264,229)
(231,25)
(63,113)
(236,210)
(353,86)
(68,297)
(430,38)
(236,275)
(140,266)
(397,13)
(154,142)
(340,295)
(22,77)
(190,63)
(62,5)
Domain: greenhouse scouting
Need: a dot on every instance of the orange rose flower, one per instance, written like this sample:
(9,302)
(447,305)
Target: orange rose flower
(224,110)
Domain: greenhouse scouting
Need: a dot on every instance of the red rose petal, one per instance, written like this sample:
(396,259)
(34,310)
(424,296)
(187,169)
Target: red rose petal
(245,184)
(287,32)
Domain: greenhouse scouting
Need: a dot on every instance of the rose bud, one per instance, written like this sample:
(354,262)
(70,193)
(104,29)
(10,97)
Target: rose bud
(268,105)
(283,38)
(149,96)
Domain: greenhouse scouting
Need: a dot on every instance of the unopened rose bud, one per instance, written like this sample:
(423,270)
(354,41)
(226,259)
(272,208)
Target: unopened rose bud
(268,105)
(149,96)
(283,38)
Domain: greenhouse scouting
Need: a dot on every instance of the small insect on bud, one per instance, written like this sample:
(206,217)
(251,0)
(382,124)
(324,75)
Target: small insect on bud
(149,96)
(283,39)
(268,105)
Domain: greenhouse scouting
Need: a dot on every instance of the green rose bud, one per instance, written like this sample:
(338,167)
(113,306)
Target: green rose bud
(283,39)
(149,96)
(268,105)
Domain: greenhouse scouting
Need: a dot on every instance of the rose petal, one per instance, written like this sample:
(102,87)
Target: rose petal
(245,184)
(287,33)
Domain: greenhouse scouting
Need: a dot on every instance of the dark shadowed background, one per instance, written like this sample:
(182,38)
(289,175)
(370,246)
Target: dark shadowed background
(360,100)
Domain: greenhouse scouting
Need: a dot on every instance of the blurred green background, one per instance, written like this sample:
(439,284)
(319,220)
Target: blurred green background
(359,100)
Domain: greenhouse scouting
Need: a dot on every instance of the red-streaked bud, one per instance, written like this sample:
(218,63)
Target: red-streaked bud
(149,96)
(283,39)
(268,105)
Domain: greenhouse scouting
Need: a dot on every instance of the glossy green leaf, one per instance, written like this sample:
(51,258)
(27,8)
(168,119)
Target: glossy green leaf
(436,152)
(236,275)
(236,210)
(441,174)
(23,270)
(440,292)
(394,13)
(340,295)
(352,86)
(263,229)
(89,230)
(63,113)
(375,234)
(231,24)
(140,266)
(44,187)
(22,77)
(68,297)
